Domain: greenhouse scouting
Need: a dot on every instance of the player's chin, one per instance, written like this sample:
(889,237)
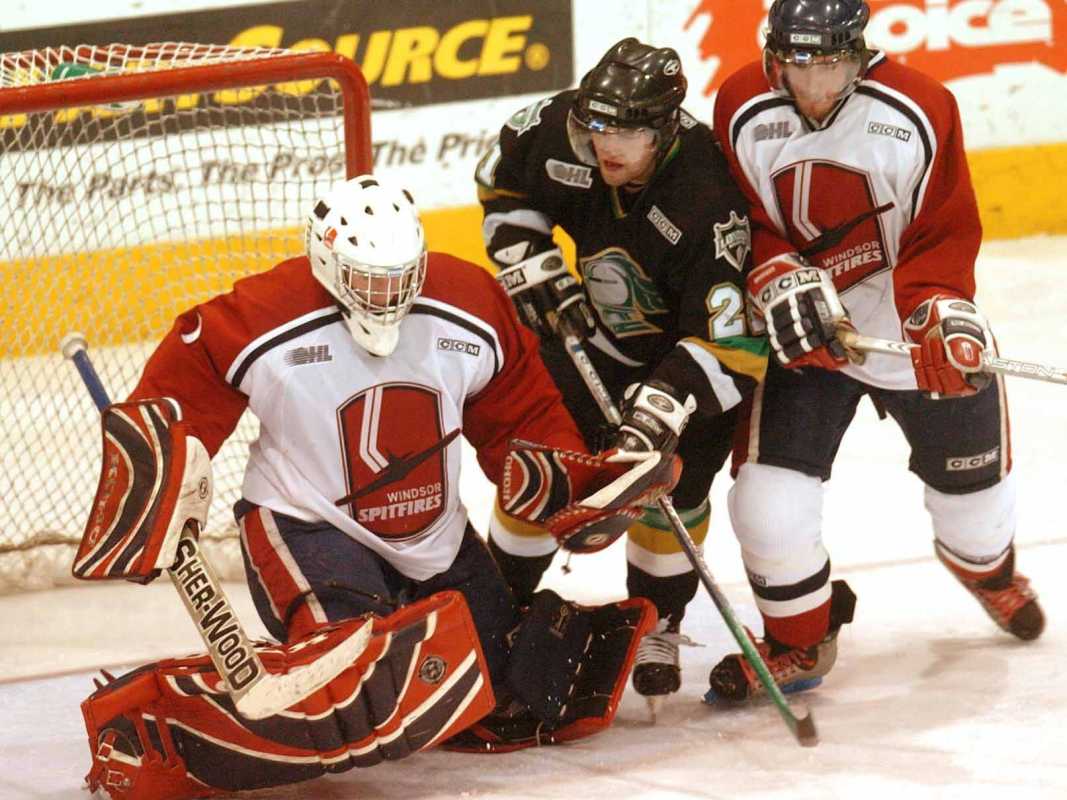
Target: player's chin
(614,173)
(816,109)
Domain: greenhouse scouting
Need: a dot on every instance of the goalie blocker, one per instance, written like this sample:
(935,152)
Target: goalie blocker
(154,478)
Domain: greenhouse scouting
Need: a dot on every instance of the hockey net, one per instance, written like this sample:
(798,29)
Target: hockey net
(136,182)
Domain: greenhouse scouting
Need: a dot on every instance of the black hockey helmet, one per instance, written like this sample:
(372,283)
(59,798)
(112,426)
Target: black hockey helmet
(634,85)
(820,26)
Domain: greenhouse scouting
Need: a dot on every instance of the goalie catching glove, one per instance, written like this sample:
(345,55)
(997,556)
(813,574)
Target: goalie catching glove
(585,501)
(545,294)
(952,336)
(801,310)
(155,477)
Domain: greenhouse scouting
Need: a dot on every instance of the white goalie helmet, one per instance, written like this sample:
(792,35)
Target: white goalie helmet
(366,246)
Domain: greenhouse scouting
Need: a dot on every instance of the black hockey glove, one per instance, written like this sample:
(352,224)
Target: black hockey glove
(653,418)
(546,294)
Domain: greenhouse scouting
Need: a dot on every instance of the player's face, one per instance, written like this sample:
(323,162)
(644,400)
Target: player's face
(625,155)
(376,291)
(818,81)
(380,290)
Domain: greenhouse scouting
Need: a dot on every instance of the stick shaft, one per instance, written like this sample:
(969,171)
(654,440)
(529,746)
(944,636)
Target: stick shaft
(591,378)
(91,380)
(990,362)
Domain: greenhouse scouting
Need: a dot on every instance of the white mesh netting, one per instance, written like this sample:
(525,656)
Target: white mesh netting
(119,214)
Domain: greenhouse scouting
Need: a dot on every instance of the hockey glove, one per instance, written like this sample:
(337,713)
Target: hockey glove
(155,475)
(586,502)
(801,310)
(545,293)
(652,417)
(952,335)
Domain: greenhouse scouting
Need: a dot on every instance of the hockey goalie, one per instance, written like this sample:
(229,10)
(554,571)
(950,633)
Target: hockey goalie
(364,360)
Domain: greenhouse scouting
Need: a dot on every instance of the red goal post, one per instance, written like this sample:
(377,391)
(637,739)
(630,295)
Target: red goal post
(136,181)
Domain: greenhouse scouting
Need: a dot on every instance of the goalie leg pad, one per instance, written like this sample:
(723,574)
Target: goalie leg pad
(155,477)
(169,730)
(568,670)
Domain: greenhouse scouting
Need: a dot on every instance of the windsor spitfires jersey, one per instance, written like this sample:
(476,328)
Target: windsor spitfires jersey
(879,195)
(663,267)
(367,444)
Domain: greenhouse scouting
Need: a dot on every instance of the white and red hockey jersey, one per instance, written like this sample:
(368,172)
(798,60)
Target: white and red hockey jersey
(367,444)
(879,195)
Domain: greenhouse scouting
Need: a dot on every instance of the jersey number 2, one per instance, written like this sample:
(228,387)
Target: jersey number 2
(726,311)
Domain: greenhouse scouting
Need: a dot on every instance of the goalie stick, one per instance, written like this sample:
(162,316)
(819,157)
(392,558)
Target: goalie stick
(801,724)
(256,693)
(990,362)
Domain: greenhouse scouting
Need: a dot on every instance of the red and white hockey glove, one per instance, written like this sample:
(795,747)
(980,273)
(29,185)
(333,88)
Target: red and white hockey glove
(801,310)
(952,335)
(586,502)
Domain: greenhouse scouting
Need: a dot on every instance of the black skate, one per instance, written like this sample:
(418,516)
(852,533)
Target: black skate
(794,669)
(656,668)
(1006,596)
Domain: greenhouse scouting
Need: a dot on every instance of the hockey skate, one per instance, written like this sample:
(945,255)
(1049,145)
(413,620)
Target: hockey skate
(1006,596)
(657,672)
(794,669)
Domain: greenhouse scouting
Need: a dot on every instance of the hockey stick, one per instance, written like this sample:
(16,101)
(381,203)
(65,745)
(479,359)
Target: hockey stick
(802,725)
(990,361)
(256,693)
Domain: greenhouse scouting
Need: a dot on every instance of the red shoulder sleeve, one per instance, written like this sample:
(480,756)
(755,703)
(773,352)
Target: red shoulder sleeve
(191,363)
(521,401)
(184,368)
(745,84)
(938,249)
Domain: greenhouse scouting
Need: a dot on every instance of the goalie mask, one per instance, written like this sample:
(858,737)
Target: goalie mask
(627,107)
(815,52)
(366,246)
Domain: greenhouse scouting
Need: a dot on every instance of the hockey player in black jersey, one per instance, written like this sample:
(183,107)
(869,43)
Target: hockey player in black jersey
(662,245)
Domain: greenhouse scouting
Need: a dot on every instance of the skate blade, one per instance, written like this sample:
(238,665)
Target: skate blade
(712,698)
(655,704)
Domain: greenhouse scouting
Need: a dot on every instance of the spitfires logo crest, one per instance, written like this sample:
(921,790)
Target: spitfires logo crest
(733,240)
(397,473)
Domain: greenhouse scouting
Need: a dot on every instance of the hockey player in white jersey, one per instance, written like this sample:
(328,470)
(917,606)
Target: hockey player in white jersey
(863,215)
(363,361)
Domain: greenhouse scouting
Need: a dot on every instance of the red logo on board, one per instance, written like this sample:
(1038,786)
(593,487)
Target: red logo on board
(946,39)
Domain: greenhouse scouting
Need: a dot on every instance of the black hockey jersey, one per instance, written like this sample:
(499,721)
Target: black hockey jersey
(663,267)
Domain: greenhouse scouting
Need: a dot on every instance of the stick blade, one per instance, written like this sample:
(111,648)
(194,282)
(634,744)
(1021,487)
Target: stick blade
(274,693)
(803,727)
